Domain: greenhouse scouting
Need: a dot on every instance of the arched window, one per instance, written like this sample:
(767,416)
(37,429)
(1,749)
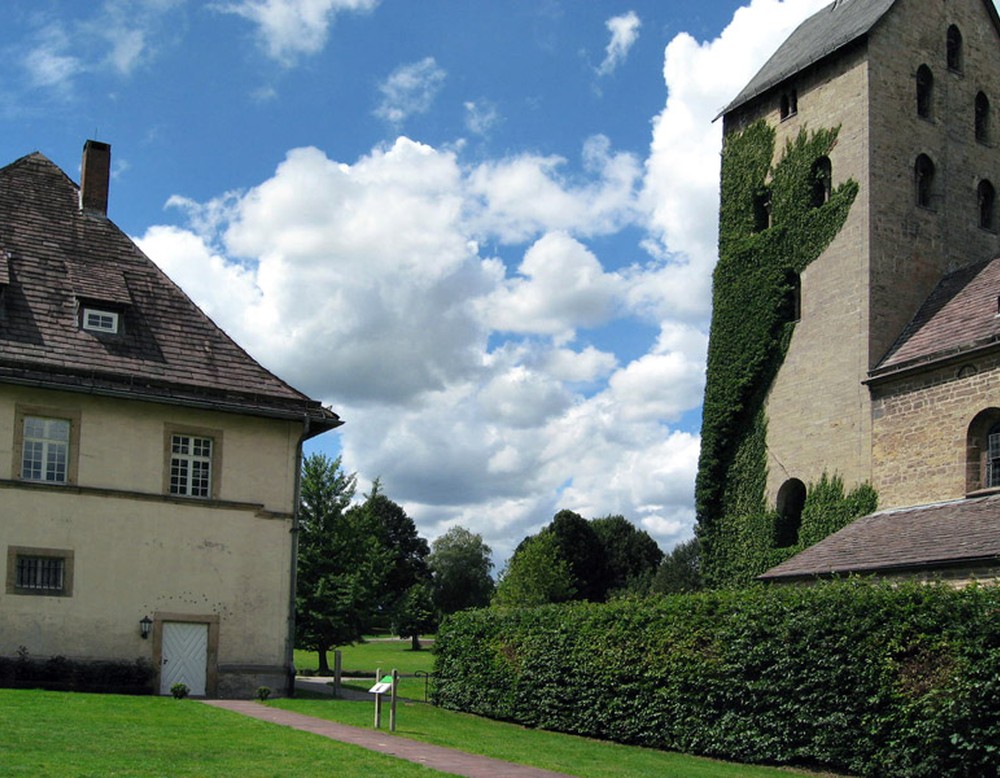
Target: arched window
(822,177)
(791,301)
(924,181)
(983,451)
(954,45)
(761,211)
(791,500)
(925,87)
(789,103)
(982,118)
(987,205)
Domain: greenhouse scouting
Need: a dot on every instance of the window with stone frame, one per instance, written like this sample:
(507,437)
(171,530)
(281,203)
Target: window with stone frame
(986,195)
(925,91)
(822,182)
(192,462)
(45,451)
(923,172)
(191,466)
(789,104)
(983,451)
(39,571)
(954,49)
(982,118)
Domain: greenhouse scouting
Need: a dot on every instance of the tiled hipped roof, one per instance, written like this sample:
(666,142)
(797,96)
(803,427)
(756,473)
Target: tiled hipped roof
(960,315)
(55,257)
(951,534)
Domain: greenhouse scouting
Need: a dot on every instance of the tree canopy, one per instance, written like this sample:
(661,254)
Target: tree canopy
(536,575)
(632,555)
(460,566)
(340,560)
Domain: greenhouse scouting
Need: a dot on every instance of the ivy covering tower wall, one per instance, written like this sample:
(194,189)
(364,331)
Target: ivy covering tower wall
(774,221)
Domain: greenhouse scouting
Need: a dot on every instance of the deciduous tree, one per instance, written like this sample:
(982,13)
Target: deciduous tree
(460,567)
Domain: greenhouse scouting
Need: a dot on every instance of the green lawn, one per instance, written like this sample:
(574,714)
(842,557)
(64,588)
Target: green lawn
(73,735)
(372,654)
(562,753)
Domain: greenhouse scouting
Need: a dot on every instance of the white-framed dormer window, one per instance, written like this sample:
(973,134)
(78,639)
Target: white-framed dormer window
(100,320)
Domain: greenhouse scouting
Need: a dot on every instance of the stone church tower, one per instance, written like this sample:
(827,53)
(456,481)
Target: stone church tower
(911,89)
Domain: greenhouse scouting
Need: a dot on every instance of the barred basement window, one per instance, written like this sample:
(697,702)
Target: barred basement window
(39,571)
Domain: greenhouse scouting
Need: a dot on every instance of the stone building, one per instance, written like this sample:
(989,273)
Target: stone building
(892,372)
(149,467)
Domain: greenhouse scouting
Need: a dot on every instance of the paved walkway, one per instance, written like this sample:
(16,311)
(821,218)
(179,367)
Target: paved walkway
(446,760)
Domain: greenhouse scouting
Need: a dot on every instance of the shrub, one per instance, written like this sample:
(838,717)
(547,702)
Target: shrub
(61,674)
(263,692)
(179,690)
(854,676)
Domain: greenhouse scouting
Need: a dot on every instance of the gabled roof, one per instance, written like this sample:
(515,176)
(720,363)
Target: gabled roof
(822,34)
(961,315)
(825,32)
(960,533)
(57,257)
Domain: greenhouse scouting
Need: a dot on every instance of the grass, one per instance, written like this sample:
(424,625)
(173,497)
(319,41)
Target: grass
(372,654)
(75,735)
(378,652)
(562,753)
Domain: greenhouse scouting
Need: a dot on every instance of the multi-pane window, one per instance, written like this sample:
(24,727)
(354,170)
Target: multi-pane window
(40,574)
(993,458)
(190,465)
(99,320)
(45,453)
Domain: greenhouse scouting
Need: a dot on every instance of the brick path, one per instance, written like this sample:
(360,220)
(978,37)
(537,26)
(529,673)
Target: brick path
(446,760)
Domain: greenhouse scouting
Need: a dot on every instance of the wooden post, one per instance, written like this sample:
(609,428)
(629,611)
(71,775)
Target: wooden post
(336,672)
(378,701)
(392,703)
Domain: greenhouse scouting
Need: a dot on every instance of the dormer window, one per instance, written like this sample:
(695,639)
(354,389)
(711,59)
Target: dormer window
(100,320)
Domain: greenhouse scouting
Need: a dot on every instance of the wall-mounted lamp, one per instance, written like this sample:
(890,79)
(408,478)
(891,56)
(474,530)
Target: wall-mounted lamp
(145,626)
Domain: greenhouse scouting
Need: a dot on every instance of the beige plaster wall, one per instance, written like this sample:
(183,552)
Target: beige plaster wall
(122,445)
(137,558)
(138,552)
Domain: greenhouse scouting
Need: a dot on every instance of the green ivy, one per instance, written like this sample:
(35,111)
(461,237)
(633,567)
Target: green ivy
(752,327)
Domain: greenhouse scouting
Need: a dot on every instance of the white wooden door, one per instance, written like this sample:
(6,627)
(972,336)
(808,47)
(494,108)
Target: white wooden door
(185,656)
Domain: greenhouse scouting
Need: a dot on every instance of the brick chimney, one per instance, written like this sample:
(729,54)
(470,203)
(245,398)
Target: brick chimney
(94,175)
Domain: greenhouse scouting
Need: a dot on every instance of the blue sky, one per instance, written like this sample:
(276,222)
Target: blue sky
(483,232)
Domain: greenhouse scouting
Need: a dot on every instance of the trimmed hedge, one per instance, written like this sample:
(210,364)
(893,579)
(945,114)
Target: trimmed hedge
(852,675)
(58,673)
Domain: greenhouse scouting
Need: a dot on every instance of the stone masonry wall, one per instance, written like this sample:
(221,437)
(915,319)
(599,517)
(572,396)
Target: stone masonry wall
(921,423)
